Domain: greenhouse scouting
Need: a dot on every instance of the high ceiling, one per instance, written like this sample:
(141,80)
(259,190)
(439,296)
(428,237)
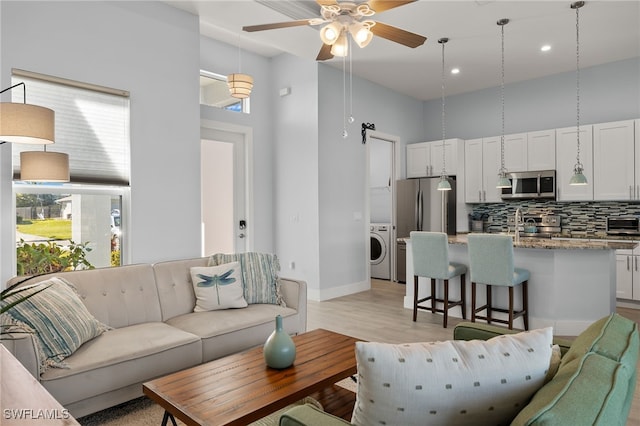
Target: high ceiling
(609,31)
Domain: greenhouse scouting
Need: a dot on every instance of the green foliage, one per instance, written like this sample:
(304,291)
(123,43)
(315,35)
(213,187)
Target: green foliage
(35,200)
(115,257)
(44,258)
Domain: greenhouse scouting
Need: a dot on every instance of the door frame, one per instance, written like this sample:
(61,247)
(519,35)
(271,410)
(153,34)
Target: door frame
(395,170)
(246,134)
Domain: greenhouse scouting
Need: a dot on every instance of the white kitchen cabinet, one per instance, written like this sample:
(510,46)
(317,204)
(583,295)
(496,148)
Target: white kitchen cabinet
(613,161)
(533,151)
(628,274)
(482,163)
(541,150)
(566,151)
(515,152)
(424,159)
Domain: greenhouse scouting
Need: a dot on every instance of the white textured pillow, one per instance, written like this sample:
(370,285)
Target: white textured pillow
(454,382)
(218,287)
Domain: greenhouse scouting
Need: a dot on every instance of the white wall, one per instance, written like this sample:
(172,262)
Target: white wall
(222,58)
(608,92)
(296,169)
(344,234)
(149,49)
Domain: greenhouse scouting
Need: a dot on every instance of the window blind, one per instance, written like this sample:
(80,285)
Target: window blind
(91,126)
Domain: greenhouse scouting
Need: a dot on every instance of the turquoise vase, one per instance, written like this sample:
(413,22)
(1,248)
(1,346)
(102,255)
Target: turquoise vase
(279,349)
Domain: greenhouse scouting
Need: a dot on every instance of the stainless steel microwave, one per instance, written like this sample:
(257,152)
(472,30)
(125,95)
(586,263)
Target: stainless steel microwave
(625,225)
(528,185)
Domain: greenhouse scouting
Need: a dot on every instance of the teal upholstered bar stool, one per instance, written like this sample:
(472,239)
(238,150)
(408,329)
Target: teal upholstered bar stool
(491,263)
(430,252)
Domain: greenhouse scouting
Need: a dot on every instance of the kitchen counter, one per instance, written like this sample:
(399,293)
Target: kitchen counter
(572,284)
(620,243)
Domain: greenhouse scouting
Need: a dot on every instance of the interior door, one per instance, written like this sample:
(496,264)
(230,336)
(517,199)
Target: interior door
(225,222)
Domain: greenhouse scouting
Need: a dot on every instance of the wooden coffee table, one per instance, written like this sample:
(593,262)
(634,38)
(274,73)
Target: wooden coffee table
(240,388)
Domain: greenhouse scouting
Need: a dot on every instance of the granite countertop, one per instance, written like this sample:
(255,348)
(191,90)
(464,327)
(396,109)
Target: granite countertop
(552,244)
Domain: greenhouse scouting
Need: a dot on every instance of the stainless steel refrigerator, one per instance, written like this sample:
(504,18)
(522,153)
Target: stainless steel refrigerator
(421,207)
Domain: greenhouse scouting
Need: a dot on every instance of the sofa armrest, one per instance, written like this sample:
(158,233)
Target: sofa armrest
(23,347)
(306,415)
(481,331)
(294,293)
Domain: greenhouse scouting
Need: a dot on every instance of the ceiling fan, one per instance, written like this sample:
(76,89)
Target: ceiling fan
(342,18)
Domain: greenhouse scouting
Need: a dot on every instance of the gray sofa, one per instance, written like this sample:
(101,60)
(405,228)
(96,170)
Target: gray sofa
(155,332)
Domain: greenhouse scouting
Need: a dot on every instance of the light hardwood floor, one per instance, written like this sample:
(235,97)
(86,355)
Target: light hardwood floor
(379,315)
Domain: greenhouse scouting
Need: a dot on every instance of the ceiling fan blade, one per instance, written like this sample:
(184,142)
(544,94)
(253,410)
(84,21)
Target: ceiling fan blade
(382,5)
(326,2)
(398,35)
(298,23)
(325,53)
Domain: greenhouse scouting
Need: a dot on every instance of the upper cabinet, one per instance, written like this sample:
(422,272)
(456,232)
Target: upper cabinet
(541,150)
(482,163)
(424,159)
(614,165)
(566,152)
(533,151)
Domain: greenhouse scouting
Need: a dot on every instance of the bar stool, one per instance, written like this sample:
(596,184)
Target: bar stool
(491,264)
(431,259)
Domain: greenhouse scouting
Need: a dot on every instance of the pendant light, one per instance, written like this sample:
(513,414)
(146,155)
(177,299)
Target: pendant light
(240,85)
(25,123)
(578,177)
(444,184)
(503,180)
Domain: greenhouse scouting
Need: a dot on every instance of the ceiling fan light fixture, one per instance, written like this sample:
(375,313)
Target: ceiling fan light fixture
(341,46)
(330,33)
(361,33)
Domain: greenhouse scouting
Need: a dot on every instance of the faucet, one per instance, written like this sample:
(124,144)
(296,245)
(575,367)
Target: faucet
(517,220)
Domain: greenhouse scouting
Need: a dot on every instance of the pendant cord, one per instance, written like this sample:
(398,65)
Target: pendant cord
(350,84)
(578,164)
(344,97)
(444,171)
(502,168)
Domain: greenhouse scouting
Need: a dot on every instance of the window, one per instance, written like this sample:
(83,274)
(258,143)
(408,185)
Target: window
(92,126)
(215,92)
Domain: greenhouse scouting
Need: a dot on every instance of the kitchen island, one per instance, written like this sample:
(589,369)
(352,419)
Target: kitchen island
(572,284)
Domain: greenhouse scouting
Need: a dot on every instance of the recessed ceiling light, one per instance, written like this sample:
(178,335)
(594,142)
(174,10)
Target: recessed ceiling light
(546,48)
(455,71)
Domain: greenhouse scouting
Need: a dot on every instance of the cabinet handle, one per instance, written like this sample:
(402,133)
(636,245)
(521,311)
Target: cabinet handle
(484,195)
(631,192)
(627,263)
(479,195)
(636,259)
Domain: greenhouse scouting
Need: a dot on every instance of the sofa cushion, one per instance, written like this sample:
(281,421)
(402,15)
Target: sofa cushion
(57,317)
(218,287)
(591,390)
(613,336)
(121,357)
(452,382)
(259,275)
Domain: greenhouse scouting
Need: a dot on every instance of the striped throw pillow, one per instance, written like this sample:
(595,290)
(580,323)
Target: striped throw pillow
(259,275)
(56,316)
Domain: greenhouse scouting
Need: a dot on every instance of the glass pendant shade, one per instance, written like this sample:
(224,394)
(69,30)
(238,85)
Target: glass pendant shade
(44,166)
(26,123)
(444,184)
(341,46)
(240,85)
(578,177)
(329,33)
(503,181)
(361,33)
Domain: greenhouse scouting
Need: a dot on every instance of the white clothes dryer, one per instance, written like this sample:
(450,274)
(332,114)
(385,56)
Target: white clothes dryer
(381,251)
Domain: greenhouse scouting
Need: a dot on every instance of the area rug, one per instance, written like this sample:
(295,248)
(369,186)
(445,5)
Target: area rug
(144,412)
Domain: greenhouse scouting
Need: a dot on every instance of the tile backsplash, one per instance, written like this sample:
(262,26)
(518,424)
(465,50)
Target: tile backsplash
(582,219)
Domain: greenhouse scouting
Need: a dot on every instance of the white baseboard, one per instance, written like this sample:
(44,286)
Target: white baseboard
(333,292)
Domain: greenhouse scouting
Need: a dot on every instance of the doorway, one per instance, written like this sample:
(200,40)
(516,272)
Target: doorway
(382,158)
(225,206)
